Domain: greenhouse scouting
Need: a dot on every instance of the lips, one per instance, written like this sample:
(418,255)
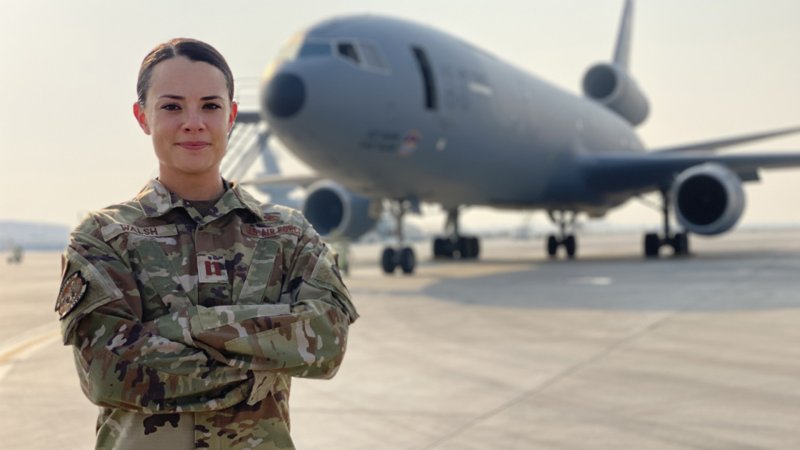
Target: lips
(193,145)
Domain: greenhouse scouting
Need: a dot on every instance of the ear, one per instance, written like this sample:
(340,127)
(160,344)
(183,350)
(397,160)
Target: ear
(232,118)
(141,117)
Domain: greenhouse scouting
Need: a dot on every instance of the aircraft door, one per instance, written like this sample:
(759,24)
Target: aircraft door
(428,80)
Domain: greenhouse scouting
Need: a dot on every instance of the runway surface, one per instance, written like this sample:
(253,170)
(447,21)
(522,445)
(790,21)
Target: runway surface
(510,352)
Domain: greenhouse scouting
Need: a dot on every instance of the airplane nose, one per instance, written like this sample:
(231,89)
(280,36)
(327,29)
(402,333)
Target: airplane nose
(284,95)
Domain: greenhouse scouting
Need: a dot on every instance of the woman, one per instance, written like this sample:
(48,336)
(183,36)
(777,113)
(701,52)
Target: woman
(191,306)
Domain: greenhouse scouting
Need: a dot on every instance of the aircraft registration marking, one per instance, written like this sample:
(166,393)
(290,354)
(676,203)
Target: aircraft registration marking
(380,140)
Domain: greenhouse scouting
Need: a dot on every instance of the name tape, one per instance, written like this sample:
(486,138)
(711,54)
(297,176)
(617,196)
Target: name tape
(113,230)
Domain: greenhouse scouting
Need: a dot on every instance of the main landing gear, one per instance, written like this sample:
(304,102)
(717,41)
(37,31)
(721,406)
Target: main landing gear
(453,245)
(565,238)
(401,256)
(678,241)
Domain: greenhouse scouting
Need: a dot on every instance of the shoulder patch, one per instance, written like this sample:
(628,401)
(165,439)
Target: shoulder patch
(72,291)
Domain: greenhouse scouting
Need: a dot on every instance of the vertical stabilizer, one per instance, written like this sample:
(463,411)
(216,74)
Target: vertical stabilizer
(623,49)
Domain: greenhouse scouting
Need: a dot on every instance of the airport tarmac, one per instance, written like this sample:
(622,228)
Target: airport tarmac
(510,352)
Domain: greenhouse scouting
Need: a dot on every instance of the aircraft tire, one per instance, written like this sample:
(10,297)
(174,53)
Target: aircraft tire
(552,246)
(389,260)
(571,245)
(476,247)
(468,247)
(442,248)
(407,260)
(681,244)
(651,245)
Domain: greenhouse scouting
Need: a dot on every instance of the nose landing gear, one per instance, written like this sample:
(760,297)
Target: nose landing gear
(402,256)
(565,238)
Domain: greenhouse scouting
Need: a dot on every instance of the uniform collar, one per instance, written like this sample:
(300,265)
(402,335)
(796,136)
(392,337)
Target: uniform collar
(156,200)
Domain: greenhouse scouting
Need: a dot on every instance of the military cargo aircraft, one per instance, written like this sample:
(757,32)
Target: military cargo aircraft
(383,108)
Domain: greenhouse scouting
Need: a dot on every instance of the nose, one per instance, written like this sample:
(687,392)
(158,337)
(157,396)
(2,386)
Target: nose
(284,95)
(193,122)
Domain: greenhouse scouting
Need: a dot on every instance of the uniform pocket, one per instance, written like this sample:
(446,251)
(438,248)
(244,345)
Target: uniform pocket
(263,281)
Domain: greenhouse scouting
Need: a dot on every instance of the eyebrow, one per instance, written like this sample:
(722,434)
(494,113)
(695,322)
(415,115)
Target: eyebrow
(180,97)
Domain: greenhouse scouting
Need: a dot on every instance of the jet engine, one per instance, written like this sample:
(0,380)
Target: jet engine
(336,212)
(708,199)
(613,88)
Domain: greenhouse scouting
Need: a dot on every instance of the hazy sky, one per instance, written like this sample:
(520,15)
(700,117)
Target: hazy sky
(70,144)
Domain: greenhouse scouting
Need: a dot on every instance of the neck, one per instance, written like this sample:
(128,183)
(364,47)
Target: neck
(197,187)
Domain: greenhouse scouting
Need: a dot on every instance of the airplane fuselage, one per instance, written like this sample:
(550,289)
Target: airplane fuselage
(397,110)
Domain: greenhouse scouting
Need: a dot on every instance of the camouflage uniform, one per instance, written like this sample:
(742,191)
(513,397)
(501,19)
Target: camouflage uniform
(187,328)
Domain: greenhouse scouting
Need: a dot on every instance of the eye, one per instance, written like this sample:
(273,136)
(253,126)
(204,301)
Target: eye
(170,107)
(212,106)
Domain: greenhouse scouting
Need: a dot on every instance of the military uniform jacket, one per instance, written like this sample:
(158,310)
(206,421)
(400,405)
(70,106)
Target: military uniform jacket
(187,328)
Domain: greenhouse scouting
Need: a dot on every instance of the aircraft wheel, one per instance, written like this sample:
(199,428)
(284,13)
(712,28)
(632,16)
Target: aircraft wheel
(476,247)
(468,247)
(442,248)
(389,260)
(571,245)
(552,246)
(407,260)
(681,244)
(651,245)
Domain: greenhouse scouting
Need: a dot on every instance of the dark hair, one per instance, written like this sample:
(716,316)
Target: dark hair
(190,48)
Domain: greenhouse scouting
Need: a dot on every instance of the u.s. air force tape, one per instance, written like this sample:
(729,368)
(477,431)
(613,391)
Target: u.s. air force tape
(72,291)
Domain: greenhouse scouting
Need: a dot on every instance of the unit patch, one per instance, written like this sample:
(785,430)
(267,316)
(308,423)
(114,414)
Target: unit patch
(263,231)
(211,269)
(72,291)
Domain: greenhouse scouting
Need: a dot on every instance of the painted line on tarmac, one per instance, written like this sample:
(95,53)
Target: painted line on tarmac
(23,350)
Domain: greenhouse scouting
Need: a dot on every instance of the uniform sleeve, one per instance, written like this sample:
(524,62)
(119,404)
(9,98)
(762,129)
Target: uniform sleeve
(305,335)
(124,362)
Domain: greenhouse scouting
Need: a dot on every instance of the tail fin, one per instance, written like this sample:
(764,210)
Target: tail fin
(623,49)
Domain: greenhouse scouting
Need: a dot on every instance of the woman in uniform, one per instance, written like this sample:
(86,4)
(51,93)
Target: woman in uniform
(191,306)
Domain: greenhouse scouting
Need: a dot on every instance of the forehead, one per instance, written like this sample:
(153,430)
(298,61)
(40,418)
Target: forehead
(182,76)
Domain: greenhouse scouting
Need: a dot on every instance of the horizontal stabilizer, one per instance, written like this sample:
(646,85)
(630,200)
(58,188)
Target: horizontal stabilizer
(728,142)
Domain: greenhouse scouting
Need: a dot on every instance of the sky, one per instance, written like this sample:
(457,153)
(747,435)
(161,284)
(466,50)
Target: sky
(70,144)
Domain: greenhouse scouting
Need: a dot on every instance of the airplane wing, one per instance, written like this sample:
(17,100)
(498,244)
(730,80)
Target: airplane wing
(282,180)
(618,172)
(716,144)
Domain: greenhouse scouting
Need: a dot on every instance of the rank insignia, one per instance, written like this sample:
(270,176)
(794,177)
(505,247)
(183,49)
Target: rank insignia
(211,268)
(72,291)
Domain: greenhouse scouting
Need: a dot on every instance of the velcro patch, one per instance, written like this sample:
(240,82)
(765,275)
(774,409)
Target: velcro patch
(266,232)
(211,269)
(72,291)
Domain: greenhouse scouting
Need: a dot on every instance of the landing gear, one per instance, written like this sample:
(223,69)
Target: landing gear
(678,241)
(454,245)
(564,238)
(401,256)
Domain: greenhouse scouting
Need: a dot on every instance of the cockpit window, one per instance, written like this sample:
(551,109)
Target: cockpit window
(365,55)
(372,57)
(289,50)
(311,49)
(348,51)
